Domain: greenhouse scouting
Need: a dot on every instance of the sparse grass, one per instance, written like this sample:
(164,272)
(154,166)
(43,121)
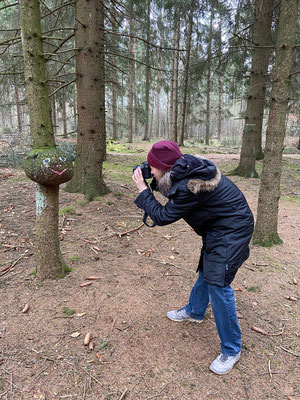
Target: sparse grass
(103,345)
(255,289)
(81,203)
(118,195)
(68,311)
(73,259)
(67,210)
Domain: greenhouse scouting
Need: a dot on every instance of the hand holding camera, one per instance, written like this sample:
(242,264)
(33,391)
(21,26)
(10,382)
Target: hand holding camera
(140,174)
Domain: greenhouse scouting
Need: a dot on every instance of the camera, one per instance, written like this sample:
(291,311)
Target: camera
(146,170)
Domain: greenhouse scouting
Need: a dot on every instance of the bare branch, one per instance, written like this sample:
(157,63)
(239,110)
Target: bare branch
(58,8)
(62,86)
(17,38)
(139,62)
(142,39)
(9,5)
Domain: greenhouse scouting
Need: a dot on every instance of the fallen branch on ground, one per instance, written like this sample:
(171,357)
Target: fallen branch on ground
(120,234)
(263,332)
(7,269)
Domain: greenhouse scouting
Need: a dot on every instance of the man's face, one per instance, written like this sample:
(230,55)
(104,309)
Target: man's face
(157,173)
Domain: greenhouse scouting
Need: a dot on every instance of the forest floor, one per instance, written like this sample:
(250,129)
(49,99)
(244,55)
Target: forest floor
(141,274)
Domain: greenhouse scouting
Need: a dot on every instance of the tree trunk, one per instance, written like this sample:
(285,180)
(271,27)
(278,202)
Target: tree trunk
(115,134)
(174,115)
(19,107)
(130,84)
(257,91)
(135,91)
(147,61)
(49,260)
(186,75)
(64,112)
(220,81)
(269,194)
(207,123)
(90,78)
(115,112)
(158,97)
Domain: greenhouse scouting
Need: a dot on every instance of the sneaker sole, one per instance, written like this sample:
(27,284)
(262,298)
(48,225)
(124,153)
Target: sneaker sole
(198,321)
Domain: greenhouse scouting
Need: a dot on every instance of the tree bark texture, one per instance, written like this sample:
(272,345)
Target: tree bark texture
(90,78)
(207,123)
(147,87)
(251,144)
(35,75)
(50,263)
(130,84)
(220,81)
(49,260)
(174,115)
(186,75)
(269,194)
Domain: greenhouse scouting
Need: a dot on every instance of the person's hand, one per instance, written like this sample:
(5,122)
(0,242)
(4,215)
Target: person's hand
(139,180)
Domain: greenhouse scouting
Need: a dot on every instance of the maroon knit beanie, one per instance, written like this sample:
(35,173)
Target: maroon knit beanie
(164,154)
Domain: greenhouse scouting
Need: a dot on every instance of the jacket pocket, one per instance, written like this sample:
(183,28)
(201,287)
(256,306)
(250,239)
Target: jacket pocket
(231,269)
(214,259)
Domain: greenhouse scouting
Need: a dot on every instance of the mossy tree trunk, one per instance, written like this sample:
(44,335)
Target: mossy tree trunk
(91,139)
(269,194)
(251,144)
(49,261)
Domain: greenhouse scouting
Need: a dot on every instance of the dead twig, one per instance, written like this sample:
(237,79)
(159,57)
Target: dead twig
(120,234)
(123,395)
(113,325)
(269,369)
(289,351)
(263,332)
(7,269)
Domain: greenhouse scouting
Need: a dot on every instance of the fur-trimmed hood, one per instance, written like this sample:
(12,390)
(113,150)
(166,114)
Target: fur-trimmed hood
(204,175)
(198,185)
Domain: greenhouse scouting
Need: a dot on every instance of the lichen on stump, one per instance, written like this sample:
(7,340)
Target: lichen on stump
(48,166)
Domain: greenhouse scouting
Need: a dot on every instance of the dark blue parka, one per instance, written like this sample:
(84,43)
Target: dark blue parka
(214,207)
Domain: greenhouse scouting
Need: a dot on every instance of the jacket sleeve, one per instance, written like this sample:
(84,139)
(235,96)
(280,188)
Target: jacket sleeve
(178,206)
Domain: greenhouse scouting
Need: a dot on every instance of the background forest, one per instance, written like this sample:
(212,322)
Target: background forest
(171,69)
(95,83)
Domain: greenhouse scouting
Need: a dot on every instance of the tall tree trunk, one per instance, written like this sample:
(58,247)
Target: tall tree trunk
(64,111)
(269,194)
(135,92)
(49,261)
(220,81)
(19,107)
(147,93)
(53,114)
(174,116)
(207,122)
(130,84)
(159,75)
(115,112)
(257,90)
(113,60)
(90,78)
(186,75)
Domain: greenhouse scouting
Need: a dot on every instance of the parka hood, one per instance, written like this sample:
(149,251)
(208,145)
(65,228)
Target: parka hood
(204,175)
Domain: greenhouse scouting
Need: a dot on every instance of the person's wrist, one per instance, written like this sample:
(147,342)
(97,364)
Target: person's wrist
(141,189)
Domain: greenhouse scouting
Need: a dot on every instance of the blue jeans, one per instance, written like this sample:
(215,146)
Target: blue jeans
(223,305)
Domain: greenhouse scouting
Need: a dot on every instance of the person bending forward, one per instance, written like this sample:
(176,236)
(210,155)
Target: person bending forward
(217,211)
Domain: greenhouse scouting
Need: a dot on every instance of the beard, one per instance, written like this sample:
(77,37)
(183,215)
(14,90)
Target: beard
(165,184)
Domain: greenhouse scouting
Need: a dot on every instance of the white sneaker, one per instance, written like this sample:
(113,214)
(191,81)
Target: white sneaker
(181,315)
(223,364)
